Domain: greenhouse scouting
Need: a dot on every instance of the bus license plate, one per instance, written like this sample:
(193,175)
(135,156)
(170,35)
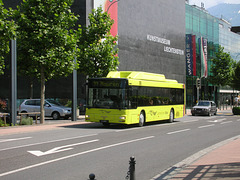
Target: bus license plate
(104,121)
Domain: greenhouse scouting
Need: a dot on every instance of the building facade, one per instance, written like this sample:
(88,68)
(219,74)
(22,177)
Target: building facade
(151,39)
(201,25)
(229,40)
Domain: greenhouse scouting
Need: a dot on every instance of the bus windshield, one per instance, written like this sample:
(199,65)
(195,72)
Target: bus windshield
(107,98)
(107,94)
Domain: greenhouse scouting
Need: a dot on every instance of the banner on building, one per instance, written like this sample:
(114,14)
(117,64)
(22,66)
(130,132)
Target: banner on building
(191,55)
(203,56)
(194,55)
(111,7)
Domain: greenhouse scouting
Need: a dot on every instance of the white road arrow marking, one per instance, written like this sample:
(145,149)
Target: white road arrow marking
(59,149)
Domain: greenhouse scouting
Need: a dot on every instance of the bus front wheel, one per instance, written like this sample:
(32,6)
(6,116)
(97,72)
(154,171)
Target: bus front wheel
(171,116)
(141,119)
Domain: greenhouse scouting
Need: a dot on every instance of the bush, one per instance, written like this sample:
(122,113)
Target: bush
(1,123)
(236,110)
(27,121)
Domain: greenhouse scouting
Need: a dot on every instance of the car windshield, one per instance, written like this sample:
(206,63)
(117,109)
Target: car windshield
(203,104)
(55,103)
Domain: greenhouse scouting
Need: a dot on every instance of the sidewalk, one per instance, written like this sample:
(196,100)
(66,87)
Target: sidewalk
(220,163)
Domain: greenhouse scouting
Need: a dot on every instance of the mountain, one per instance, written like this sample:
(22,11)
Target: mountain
(229,12)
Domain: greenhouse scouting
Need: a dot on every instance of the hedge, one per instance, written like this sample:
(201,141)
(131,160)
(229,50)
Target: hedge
(236,110)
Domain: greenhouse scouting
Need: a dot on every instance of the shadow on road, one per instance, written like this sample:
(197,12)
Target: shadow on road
(112,126)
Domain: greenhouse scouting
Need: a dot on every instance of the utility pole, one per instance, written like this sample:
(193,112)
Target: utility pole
(13,81)
(74,94)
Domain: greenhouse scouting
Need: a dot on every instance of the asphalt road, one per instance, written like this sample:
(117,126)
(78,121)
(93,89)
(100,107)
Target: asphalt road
(73,152)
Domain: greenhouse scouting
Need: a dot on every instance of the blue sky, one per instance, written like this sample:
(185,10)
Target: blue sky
(210,3)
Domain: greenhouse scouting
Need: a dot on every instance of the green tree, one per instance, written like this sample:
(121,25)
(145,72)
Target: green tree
(236,76)
(222,68)
(46,42)
(97,47)
(7,32)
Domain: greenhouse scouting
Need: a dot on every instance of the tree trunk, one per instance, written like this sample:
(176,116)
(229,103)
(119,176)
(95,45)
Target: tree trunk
(42,112)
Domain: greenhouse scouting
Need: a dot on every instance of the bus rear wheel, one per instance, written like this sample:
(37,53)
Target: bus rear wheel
(171,116)
(141,119)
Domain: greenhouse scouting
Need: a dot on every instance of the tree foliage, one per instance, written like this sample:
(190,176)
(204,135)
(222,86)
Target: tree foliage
(97,47)
(7,32)
(222,68)
(46,42)
(236,76)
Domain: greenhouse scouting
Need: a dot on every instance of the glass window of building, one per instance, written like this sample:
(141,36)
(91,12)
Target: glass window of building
(201,24)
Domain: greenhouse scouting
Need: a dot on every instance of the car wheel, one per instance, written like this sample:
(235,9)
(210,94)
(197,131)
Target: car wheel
(193,114)
(55,115)
(141,119)
(171,116)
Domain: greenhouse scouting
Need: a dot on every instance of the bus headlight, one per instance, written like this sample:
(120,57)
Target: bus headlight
(87,117)
(122,118)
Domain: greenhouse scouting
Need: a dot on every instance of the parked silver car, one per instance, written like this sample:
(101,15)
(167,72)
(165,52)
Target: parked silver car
(52,108)
(204,108)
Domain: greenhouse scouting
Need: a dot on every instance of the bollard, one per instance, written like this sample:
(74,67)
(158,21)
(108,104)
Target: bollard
(91,176)
(132,163)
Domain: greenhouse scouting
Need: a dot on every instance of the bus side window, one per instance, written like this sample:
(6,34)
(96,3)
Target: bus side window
(133,94)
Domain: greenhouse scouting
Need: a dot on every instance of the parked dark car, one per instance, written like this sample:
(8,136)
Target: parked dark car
(208,108)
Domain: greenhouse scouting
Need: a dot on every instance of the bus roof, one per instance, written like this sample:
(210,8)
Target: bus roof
(145,79)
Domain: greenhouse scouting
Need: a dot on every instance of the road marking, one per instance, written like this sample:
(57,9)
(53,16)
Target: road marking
(190,121)
(206,126)
(238,120)
(59,149)
(33,144)
(165,124)
(226,122)
(136,128)
(73,155)
(218,120)
(122,130)
(16,139)
(174,132)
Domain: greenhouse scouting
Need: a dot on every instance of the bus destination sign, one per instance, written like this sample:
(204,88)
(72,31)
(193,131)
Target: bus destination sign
(105,84)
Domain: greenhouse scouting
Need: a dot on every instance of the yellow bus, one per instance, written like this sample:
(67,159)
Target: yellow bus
(133,97)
